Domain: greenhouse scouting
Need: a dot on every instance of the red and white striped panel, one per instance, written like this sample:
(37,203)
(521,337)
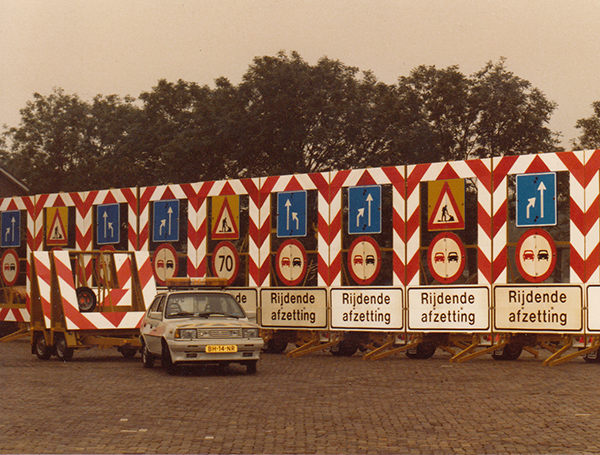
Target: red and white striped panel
(87,321)
(146,276)
(376,176)
(583,184)
(479,169)
(269,185)
(11,204)
(44,282)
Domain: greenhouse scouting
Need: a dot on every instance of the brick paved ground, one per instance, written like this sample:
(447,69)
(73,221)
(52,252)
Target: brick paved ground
(103,403)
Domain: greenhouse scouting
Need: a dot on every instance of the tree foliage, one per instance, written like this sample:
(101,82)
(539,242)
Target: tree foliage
(590,139)
(286,116)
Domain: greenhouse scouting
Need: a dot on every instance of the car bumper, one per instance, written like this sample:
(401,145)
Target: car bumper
(192,351)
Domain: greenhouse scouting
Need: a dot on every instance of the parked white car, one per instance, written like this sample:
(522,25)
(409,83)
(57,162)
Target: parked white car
(195,326)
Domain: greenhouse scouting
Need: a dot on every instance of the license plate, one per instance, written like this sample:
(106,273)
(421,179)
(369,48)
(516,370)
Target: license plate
(221,348)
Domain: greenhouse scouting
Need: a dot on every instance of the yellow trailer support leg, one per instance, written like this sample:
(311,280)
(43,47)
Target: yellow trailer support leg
(313,345)
(557,359)
(468,353)
(22,332)
(382,352)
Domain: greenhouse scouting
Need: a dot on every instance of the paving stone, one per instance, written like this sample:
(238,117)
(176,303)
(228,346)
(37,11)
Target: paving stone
(102,403)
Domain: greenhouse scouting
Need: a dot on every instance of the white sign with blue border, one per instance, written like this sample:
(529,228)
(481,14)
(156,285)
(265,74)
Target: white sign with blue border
(108,224)
(291,214)
(166,221)
(11,228)
(364,209)
(536,199)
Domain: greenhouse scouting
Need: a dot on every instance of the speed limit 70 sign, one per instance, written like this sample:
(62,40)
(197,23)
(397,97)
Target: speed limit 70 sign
(226,261)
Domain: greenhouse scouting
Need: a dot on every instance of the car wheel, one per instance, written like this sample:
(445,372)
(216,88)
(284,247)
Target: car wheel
(63,352)
(251,367)
(422,351)
(147,358)
(42,350)
(86,299)
(166,360)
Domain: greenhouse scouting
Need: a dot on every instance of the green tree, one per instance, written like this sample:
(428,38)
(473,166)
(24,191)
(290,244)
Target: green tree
(66,144)
(590,139)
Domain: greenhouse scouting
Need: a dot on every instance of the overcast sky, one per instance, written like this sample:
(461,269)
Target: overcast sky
(90,47)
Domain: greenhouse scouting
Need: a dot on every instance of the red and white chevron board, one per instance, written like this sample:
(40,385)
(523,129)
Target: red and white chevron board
(87,321)
(22,204)
(478,169)
(146,276)
(393,176)
(43,277)
(583,189)
(297,182)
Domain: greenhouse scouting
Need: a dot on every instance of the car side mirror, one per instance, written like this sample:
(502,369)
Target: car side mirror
(155,315)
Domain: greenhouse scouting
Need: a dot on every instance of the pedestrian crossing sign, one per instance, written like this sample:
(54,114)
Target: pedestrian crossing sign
(225,218)
(57,226)
(446,205)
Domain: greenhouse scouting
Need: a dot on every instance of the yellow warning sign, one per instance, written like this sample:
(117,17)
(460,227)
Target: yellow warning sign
(57,226)
(225,217)
(446,205)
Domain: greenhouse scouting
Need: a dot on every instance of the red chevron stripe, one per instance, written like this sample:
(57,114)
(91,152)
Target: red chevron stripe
(577,264)
(499,263)
(484,266)
(448,173)
(575,166)
(592,262)
(415,177)
(484,219)
(482,173)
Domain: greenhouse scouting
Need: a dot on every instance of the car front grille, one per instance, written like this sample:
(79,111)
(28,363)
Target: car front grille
(225,333)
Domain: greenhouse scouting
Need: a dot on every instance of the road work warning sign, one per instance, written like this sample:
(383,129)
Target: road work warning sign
(446,205)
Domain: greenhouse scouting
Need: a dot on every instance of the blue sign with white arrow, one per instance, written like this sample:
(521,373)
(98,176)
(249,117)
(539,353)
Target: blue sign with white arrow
(108,224)
(166,221)
(291,214)
(11,229)
(536,199)
(364,209)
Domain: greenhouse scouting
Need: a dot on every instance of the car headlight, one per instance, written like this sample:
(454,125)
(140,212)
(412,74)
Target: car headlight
(250,333)
(185,333)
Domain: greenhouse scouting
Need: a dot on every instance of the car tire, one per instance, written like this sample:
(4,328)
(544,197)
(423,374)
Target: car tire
(166,360)
(147,358)
(42,350)
(252,367)
(63,352)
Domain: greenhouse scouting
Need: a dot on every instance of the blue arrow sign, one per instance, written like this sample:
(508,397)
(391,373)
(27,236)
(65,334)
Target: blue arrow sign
(536,199)
(166,221)
(364,209)
(291,214)
(11,229)
(108,224)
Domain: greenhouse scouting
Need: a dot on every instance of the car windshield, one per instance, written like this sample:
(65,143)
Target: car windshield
(202,305)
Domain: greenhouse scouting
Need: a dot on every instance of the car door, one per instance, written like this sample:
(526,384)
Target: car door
(153,325)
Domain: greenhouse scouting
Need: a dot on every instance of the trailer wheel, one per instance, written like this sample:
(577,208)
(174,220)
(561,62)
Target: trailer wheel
(345,348)
(511,351)
(422,351)
(276,345)
(147,358)
(63,352)
(128,351)
(86,299)
(42,350)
